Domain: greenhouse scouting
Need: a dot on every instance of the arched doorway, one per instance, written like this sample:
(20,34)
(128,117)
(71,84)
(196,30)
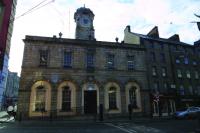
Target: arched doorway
(90,98)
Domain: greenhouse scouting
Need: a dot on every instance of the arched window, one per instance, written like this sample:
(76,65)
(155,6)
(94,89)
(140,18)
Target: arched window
(40,99)
(112,94)
(132,97)
(66,99)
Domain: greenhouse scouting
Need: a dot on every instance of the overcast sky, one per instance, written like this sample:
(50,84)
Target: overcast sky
(111,18)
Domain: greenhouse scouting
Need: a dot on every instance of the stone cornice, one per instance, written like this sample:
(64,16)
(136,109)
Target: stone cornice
(84,43)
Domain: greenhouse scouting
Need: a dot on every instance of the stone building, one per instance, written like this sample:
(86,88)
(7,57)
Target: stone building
(75,76)
(186,66)
(172,71)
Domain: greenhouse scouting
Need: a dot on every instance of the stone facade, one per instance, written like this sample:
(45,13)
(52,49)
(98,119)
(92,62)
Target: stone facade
(80,78)
(70,77)
(172,71)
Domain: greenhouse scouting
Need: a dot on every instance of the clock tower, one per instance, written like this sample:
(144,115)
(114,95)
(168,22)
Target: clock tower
(84,24)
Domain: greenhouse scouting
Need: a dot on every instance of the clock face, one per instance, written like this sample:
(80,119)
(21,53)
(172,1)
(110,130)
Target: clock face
(85,22)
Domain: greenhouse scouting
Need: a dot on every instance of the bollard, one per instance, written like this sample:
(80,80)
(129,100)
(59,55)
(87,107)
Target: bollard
(51,116)
(130,110)
(20,116)
(101,112)
(199,119)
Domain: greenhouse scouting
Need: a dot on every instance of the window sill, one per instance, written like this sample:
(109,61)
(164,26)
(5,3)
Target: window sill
(67,67)
(135,107)
(39,111)
(116,109)
(110,69)
(65,111)
(90,69)
(42,66)
(131,69)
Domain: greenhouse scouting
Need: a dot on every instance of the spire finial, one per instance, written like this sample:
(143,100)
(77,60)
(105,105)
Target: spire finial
(60,35)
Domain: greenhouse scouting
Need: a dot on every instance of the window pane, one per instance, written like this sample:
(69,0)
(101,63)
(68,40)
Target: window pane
(40,99)
(1,13)
(130,62)
(190,90)
(155,87)
(90,60)
(162,46)
(194,63)
(154,71)
(1,8)
(186,60)
(67,59)
(164,72)
(177,61)
(165,87)
(152,56)
(110,61)
(182,90)
(188,74)
(112,98)
(198,90)
(43,57)
(179,74)
(66,99)
(196,74)
(162,57)
(151,44)
(132,97)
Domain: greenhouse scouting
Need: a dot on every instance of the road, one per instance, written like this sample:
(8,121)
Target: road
(166,126)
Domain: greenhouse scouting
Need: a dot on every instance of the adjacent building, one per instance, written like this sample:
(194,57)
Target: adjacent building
(12,87)
(63,77)
(172,71)
(7,13)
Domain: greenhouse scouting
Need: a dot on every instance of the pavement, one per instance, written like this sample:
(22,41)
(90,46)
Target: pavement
(5,118)
(61,126)
(92,124)
(111,125)
(83,119)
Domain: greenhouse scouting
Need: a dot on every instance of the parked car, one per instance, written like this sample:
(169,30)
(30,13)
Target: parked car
(190,112)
